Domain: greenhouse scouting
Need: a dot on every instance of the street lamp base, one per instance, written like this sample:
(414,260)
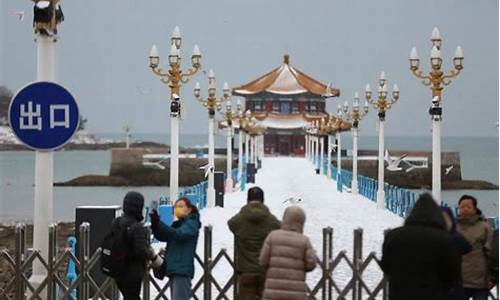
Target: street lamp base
(229,185)
(210,197)
(354,188)
(380,199)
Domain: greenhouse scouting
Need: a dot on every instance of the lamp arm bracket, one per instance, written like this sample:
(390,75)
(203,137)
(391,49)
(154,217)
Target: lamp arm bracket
(165,79)
(426,80)
(452,74)
(190,72)
(158,71)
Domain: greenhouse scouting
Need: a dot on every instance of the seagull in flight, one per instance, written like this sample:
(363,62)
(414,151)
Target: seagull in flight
(448,170)
(393,164)
(207,168)
(20,15)
(143,91)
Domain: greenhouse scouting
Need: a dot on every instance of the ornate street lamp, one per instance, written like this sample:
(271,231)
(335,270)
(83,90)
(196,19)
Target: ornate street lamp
(174,78)
(383,105)
(436,80)
(228,116)
(241,125)
(211,102)
(355,116)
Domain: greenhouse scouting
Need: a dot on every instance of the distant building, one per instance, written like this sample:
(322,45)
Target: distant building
(285,100)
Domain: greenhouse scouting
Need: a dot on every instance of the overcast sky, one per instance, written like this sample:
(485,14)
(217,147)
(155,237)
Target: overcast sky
(104,45)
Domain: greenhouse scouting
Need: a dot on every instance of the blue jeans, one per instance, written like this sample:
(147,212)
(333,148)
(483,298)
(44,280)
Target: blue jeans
(180,287)
(476,294)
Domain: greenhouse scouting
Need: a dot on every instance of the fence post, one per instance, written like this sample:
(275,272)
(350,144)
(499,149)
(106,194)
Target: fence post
(146,282)
(325,263)
(330,251)
(357,261)
(51,291)
(385,291)
(207,261)
(83,247)
(235,261)
(19,260)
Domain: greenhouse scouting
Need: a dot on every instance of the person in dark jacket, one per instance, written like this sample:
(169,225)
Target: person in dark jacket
(181,238)
(463,247)
(420,258)
(250,226)
(140,250)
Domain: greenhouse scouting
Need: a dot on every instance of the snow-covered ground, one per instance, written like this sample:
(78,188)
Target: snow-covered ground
(282,178)
(81,137)
(7,137)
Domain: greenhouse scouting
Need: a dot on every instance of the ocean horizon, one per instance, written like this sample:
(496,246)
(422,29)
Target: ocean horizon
(479,160)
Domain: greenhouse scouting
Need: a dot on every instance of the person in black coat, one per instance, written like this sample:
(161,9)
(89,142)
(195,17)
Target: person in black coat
(140,251)
(463,247)
(420,258)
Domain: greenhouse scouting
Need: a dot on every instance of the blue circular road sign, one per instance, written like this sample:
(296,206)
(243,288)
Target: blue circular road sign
(44,116)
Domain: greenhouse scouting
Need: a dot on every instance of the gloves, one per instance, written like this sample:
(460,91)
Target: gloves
(157,261)
(155,218)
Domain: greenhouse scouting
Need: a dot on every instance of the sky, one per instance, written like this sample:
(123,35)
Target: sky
(102,55)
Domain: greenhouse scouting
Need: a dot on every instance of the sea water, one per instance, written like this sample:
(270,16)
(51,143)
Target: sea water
(479,157)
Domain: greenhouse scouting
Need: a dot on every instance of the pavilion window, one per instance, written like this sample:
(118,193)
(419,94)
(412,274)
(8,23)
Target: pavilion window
(276,106)
(250,106)
(295,107)
(258,106)
(313,107)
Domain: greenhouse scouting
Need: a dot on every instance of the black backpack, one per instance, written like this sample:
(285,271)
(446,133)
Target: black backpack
(116,250)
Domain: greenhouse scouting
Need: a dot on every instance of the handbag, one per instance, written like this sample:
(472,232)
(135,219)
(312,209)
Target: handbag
(161,272)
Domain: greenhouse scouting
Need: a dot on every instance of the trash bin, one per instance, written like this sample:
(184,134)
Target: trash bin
(219,188)
(251,173)
(100,219)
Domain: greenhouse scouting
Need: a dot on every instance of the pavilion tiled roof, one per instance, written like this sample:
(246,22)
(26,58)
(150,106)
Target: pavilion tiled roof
(284,80)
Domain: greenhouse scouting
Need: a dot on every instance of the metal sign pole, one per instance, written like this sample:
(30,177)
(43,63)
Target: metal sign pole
(44,165)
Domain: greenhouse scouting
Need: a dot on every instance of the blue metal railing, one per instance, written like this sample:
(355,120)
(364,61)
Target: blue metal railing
(398,200)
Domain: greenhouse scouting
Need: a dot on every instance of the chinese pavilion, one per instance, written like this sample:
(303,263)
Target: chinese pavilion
(285,101)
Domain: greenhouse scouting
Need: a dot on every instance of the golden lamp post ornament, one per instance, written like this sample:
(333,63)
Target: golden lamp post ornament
(355,116)
(174,78)
(211,102)
(436,80)
(383,105)
(339,125)
(256,133)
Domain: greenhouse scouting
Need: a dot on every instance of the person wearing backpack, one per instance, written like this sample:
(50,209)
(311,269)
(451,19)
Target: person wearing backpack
(181,238)
(126,249)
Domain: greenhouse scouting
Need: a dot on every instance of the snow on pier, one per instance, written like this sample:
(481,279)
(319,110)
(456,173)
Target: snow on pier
(285,178)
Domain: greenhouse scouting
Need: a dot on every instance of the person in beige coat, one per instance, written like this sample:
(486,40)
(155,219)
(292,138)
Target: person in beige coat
(286,256)
(475,228)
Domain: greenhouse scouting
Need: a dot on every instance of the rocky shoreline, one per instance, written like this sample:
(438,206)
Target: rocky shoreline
(189,179)
(90,147)
(189,174)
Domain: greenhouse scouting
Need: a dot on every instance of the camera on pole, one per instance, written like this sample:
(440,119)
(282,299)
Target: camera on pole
(47,14)
(175,106)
